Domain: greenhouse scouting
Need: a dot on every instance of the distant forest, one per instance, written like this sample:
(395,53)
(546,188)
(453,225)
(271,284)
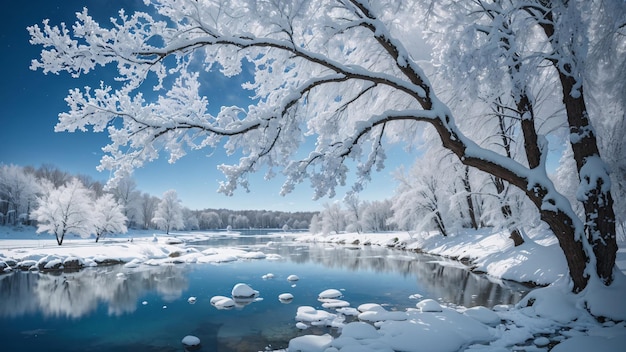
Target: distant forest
(210,219)
(22,187)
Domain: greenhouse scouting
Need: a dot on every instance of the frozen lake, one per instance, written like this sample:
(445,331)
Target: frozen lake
(147,309)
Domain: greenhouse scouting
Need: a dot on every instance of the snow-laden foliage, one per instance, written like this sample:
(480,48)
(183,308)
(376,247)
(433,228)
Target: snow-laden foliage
(65,210)
(169,212)
(18,193)
(334,80)
(108,216)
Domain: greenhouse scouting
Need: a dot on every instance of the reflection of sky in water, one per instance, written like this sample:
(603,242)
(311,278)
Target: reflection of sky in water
(96,310)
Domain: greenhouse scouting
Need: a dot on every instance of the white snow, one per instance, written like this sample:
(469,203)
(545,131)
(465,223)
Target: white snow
(285,297)
(429,305)
(190,341)
(293,277)
(242,290)
(329,294)
(222,302)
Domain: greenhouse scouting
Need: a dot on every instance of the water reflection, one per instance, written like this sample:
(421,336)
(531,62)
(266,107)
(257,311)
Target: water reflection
(448,283)
(73,295)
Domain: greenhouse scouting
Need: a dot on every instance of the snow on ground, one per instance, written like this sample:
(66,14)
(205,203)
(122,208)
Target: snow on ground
(546,318)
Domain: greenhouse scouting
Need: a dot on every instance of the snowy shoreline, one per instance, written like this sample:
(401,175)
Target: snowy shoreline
(546,317)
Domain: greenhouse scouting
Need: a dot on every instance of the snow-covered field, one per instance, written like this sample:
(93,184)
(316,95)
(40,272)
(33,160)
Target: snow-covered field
(545,317)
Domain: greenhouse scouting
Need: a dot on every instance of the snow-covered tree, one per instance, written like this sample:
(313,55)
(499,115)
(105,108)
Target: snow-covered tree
(126,194)
(342,72)
(210,220)
(147,206)
(332,218)
(354,210)
(421,201)
(377,216)
(315,226)
(190,220)
(18,192)
(65,210)
(108,216)
(169,213)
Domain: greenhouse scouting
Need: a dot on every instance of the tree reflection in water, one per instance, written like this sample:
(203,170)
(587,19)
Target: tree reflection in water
(76,294)
(73,295)
(442,279)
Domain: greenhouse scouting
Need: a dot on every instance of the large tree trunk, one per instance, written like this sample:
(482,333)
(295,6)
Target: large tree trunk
(595,192)
(596,198)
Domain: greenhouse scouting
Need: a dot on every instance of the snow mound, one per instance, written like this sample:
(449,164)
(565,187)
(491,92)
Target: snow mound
(329,294)
(191,300)
(267,276)
(359,330)
(335,303)
(483,315)
(444,331)
(285,297)
(254,255)
(222,302)
(310,343)
(312,315)
(429,305)
(243,291)
(375,312)
(293,278)
(191,342)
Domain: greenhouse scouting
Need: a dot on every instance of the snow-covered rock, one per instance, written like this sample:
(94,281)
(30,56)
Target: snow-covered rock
(293,278)
(222,302)
(329,294)
(254,255)
(243,291)
(191,300)
(310,314)
(335,303)
(174,241)
(310,343)
(191,342)
(429,305)
(267,276)
(285,297)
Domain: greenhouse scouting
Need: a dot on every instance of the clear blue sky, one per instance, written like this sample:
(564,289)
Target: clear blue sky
(31,102)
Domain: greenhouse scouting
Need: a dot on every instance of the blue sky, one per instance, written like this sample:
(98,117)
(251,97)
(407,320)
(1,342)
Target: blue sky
(31,102)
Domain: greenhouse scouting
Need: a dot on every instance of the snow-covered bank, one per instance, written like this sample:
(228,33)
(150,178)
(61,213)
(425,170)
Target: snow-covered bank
(23,250)
(547,318)
(539,260)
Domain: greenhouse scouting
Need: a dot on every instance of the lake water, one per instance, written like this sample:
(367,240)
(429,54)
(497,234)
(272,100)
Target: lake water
(147,309)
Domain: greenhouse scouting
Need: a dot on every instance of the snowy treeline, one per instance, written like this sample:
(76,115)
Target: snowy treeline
(211,219)
(22,189)
(353,215)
